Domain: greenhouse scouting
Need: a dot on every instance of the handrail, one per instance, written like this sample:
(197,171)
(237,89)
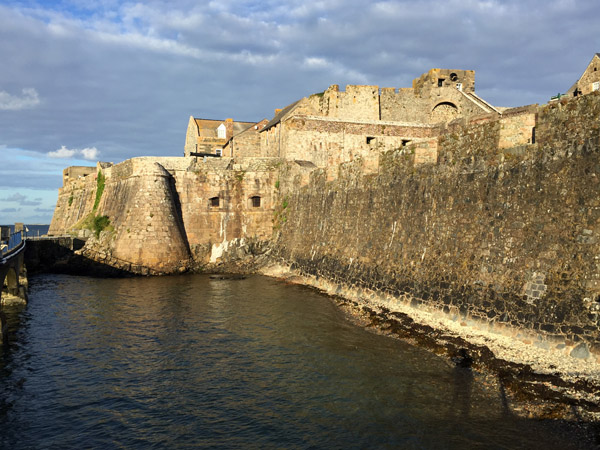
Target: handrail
(14,241)
(5,255)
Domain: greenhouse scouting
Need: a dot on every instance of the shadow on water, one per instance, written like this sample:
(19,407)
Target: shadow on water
(246,363)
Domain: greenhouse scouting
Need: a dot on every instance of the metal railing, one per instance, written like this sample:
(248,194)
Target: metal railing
(14,241)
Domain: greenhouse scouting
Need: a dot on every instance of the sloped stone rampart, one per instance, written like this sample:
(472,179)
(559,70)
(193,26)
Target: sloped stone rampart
(145,213)
(504,238)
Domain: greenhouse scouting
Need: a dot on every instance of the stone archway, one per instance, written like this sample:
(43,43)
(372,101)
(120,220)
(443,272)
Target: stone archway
(444,112)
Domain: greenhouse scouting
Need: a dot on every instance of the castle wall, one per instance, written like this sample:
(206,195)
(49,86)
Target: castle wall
(245,144)
(330,142)
(161,213)
(500,238)
(356,103)
(191,137)
(144,210)
(75,200)
(234,183)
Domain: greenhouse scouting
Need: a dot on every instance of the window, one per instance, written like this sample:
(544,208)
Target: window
(219,151)
(453,77)
(405,142)
(221,132)
(596,86)
(440,82)
(214,202)
(459,86)
(255,201)
(370,139)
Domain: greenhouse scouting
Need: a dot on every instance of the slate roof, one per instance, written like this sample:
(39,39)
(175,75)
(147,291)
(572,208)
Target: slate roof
(238,127)
(275,120)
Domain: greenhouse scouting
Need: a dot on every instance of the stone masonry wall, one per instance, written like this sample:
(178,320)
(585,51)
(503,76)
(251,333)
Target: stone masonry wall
(75,200)
(505,239)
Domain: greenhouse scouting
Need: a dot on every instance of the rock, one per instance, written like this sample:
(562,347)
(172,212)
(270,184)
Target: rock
(581,352)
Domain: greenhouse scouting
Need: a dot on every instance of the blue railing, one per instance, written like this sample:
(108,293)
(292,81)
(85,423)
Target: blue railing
(13,242)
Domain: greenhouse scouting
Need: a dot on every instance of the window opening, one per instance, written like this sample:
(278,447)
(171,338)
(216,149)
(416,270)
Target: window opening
(214,201)
(370,139)
(453,77)
(221,131)
(405,142)
(219,151)
(255,201)
(533,135)
(440,82)
(459,86)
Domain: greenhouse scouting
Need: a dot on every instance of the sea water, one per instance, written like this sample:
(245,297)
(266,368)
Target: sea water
(190,361)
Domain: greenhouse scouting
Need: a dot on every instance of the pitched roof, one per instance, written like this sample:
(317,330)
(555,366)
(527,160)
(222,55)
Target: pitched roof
(275,120)
(572,88)
(212,124)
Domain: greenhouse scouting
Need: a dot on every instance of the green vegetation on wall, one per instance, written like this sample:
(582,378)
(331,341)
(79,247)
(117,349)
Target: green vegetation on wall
(99,189)
(99,224)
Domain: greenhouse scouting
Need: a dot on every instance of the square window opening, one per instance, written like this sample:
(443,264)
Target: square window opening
(214,202)
(255,201)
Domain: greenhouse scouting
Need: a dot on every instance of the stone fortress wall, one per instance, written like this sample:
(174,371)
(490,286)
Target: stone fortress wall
(427,195)
(168,214)
(491,234)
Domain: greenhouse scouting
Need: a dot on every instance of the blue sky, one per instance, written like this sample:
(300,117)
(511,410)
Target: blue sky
(88,80)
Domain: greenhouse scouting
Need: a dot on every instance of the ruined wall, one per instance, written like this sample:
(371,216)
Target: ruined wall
(356,103)
(403,106)
(505,238)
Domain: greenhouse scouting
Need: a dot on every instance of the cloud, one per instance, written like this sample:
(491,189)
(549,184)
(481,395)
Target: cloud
(89,153)
(22,200)
(29,99)
(16,197)
(10,210)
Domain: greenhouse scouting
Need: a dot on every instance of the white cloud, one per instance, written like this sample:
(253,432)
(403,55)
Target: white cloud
(89,153)
(62,152)
(29,99)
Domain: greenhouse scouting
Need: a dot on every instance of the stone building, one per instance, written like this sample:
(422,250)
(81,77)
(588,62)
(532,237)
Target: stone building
(589,80)
(210,136)
(334,127)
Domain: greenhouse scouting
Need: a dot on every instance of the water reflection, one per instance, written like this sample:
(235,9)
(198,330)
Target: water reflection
(189,361)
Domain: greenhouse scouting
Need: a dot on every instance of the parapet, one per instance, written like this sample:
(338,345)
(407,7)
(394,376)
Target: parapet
(76,172)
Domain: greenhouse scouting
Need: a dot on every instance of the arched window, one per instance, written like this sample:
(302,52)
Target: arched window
(444,112)
(255,201)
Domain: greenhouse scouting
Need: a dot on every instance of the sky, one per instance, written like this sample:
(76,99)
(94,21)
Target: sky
(108,80)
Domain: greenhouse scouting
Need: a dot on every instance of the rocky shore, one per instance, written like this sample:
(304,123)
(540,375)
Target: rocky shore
(533,382)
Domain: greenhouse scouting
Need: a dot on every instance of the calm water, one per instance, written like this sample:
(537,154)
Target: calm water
(182,362)
(33,230)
